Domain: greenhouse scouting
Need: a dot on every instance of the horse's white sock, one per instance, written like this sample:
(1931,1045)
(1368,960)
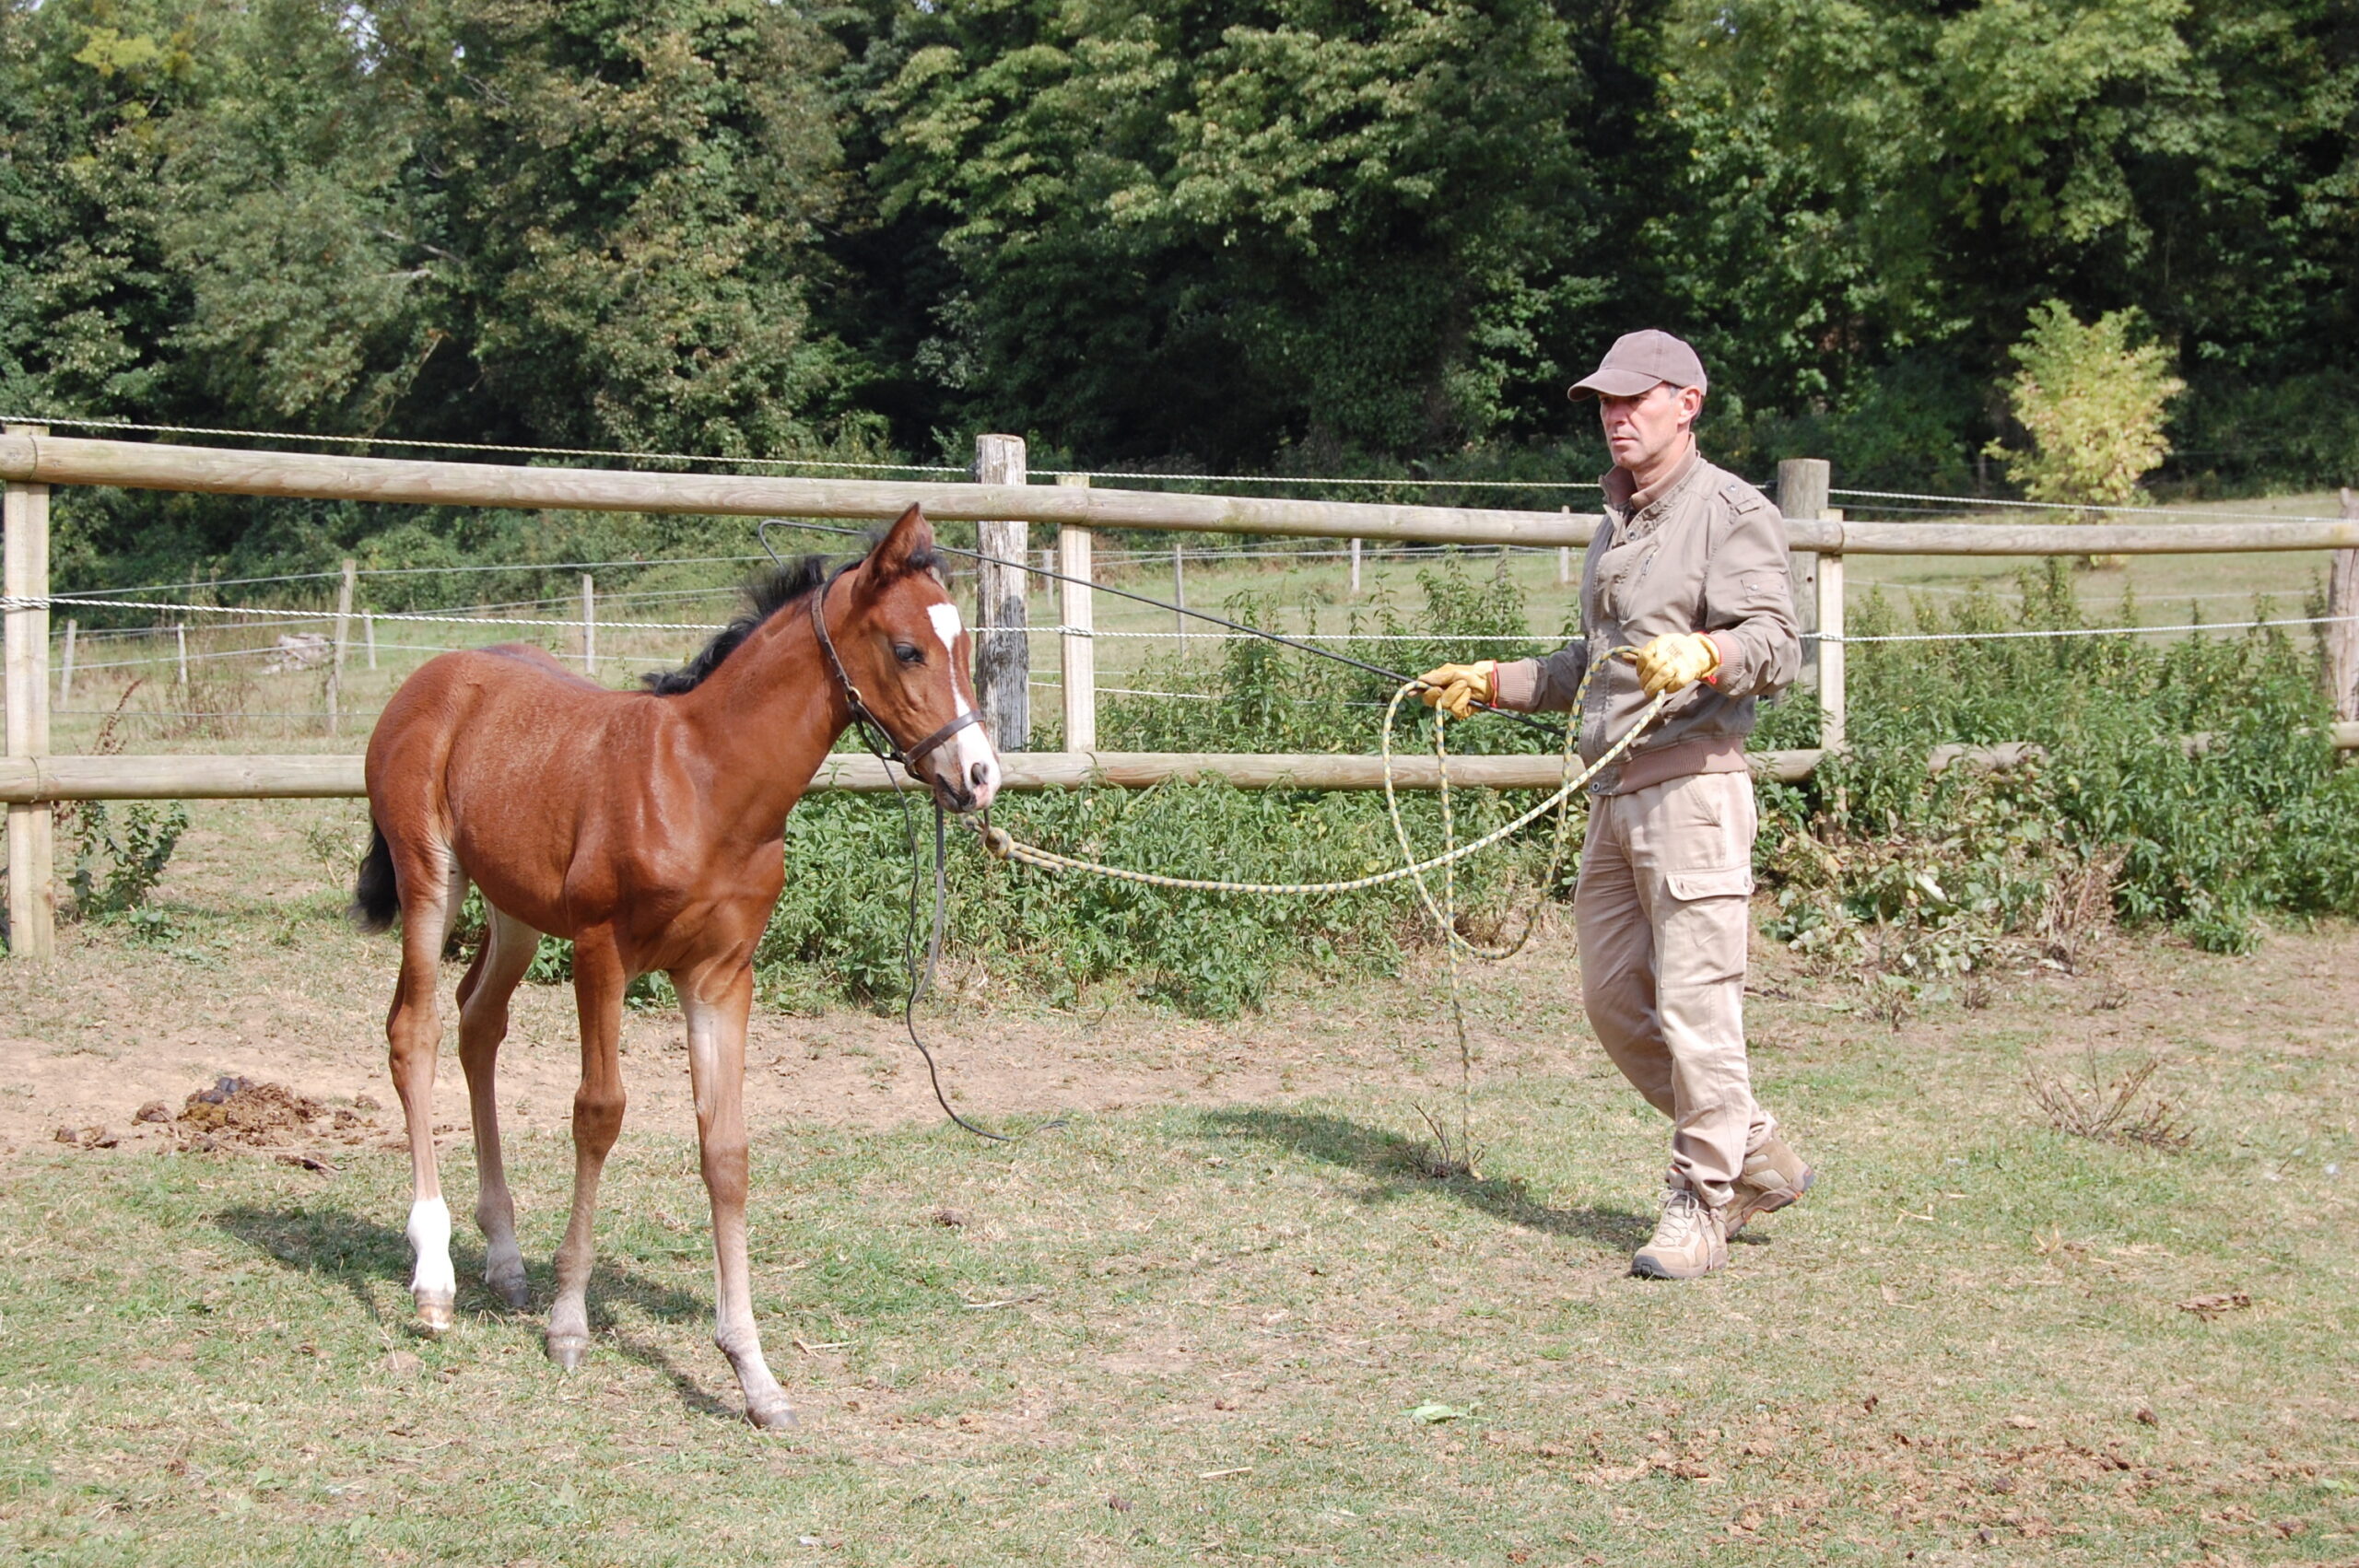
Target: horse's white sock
(430,1239)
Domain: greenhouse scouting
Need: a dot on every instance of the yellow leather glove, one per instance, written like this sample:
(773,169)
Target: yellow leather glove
(1675,661)
(1458,687)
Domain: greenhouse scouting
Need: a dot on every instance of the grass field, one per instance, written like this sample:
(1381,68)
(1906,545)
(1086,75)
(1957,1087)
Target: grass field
(1194,1323)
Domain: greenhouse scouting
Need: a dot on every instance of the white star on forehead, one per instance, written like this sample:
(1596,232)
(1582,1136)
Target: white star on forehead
(945,624)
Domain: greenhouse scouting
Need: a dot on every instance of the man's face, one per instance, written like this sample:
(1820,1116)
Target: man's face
(1639,431)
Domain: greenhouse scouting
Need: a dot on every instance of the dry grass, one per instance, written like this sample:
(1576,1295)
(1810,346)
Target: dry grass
(2125,1107)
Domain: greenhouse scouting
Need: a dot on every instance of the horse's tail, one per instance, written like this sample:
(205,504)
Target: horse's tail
(376,896)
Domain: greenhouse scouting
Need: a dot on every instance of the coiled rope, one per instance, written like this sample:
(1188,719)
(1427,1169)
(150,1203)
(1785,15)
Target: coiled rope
(1442,910)
(1006,846)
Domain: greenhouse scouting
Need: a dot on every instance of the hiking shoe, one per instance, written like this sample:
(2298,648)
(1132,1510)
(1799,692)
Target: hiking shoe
(1690,1240)
(1774,1176)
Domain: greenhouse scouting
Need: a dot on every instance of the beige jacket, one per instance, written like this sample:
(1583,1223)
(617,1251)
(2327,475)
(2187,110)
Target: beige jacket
(1702,551)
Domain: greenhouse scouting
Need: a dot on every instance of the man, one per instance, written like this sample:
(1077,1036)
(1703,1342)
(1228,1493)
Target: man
(1689,567)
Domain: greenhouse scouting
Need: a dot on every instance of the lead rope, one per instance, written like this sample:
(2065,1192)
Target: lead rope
(1001,844)
(920,979)
(1444,911)
(1006,846)
(1445,915)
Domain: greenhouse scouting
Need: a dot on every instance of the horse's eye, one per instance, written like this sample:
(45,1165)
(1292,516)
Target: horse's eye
(908,653)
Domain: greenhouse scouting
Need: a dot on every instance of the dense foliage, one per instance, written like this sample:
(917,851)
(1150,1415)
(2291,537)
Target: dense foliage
(1286,233)
(2191,783)
(1911,878)
(1205,952)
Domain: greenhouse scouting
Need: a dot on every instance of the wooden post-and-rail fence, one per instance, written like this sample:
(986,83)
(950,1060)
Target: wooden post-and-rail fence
(1004,503)
(24,565)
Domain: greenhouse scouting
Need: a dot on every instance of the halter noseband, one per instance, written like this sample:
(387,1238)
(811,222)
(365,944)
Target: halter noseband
(872,726)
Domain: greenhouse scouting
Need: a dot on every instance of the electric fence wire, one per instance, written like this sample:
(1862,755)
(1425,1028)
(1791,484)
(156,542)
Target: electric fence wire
(512,450)
(2076,506)
(1300,640)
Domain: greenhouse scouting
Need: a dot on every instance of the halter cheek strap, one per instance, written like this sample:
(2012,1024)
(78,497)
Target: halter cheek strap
(872,726)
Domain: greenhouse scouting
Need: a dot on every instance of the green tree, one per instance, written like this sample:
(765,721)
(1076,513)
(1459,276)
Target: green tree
(1883,187)
(88,92)
(2093,402)
(1224,229)
(626,194)
(315,289)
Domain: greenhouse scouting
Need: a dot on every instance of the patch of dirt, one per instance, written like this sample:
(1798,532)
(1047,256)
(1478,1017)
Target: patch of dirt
(270,986)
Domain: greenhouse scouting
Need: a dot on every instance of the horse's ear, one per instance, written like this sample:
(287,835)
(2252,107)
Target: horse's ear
(908,546)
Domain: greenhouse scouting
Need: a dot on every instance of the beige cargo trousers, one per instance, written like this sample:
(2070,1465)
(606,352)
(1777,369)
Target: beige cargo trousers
(1667,865)
(1662,909)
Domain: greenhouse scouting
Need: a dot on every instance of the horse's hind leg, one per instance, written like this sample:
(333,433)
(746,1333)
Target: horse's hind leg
(599,979)
(507,951)
(716,1006)
(431,886)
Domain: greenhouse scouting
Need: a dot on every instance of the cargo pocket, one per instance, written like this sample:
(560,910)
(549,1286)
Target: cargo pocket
(1725,881)
(1705,926)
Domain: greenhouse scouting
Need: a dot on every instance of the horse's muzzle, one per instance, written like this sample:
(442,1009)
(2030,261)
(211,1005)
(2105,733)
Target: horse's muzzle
(970,791)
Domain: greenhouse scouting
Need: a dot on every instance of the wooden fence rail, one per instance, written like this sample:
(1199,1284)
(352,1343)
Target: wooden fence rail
(62,459)
(27,781)
(32,460)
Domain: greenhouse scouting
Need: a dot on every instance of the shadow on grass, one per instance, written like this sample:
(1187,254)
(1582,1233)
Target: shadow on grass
(1397,1165)
(362,1255)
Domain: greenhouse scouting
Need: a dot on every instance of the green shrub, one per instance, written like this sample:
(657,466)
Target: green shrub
(840,926)
(2093,404)
(113,866)
(2199,839)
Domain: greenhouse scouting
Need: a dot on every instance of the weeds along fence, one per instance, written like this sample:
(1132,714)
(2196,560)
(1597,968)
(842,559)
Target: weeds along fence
(206,652)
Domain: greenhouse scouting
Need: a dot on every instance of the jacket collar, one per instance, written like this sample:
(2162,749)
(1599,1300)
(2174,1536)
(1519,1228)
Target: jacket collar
(1626,496)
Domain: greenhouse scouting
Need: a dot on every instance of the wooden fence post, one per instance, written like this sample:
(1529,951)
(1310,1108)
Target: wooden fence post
(368,635)
(1179,596)
(1802,495)
(1564,556)
(590,626)
(24,563)
(343,640)
(1830,648)
(179,651)
(1003,652)
(1355,568)
(66,673)
(1077,646)
(2343,636)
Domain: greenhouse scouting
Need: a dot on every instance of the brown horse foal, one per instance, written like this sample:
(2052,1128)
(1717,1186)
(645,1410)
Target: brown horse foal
(647,826)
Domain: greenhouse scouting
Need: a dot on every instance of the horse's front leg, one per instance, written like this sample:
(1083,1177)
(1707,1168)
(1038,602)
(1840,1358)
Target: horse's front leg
(716,1003)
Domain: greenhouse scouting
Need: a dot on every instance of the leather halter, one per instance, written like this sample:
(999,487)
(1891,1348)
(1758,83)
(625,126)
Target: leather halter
(871,727)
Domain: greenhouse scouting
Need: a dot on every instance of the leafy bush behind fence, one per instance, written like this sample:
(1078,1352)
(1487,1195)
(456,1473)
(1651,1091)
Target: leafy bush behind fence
(1877,865)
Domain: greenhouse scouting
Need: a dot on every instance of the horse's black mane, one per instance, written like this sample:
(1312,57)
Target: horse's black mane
(766,595)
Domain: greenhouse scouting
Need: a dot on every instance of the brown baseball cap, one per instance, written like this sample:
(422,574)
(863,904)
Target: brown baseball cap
(1637,361)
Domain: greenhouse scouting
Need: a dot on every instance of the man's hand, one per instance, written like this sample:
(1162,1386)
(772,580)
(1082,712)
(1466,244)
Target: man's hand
(1675,661)
(1456,689)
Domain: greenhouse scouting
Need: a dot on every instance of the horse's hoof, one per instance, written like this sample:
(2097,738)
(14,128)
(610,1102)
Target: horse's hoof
(568,1350)
(773,1414)
(438,1311)
(510,1286)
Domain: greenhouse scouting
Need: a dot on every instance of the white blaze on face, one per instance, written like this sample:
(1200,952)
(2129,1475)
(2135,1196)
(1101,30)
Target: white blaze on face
(971,759)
